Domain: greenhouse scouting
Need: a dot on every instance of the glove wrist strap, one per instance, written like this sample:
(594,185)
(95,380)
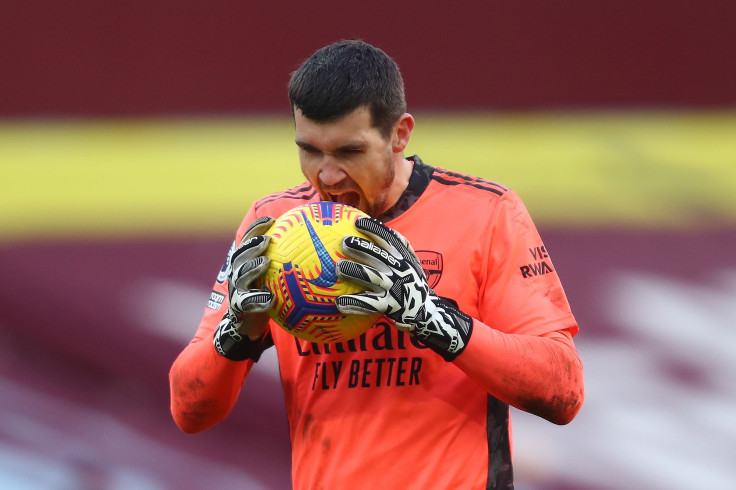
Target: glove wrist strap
(232,345)
(447,331)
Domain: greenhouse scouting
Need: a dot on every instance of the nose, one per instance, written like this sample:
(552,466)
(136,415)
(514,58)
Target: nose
(331,174)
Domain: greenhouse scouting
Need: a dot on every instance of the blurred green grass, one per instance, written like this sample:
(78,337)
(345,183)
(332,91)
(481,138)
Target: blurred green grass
(131,177)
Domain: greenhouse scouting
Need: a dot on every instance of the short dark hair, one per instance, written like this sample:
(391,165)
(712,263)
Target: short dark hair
(341,77)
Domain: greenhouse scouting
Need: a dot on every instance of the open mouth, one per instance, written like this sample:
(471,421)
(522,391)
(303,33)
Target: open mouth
(349,198)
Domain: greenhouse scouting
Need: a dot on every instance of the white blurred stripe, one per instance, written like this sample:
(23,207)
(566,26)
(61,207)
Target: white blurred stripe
(172,310)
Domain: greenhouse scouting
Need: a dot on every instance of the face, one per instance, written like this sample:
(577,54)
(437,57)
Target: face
(350,162)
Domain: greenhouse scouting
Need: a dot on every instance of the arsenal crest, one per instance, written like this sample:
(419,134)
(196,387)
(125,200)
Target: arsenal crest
(432,266)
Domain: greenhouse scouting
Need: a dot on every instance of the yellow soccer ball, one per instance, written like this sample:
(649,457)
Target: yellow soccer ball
(304,249)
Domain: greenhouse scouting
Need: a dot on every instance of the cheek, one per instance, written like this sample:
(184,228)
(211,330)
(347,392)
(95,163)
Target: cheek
(308,169)
(378,183)
(384,173)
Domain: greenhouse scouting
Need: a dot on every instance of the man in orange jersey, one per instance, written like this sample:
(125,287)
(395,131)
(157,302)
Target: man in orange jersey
(474,316)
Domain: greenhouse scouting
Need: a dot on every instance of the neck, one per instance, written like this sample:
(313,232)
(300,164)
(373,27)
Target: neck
(400,183)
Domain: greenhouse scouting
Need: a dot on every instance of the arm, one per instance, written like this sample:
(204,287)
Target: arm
(204,386)
(206,378)
(522,350)
(535,369)
(541,375)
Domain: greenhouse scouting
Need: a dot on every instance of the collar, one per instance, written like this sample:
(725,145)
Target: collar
(418,181)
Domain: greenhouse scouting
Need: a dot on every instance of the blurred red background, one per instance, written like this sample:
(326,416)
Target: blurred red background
(228,56)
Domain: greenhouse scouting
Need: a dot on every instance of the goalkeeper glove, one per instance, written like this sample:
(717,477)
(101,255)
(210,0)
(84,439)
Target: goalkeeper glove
(398,288)
(246,264)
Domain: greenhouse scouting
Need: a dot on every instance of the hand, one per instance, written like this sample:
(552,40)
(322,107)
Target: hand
(245,320)
(398,288)
(246,265)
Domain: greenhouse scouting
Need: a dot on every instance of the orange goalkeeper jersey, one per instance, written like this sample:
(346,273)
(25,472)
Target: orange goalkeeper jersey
(384,411)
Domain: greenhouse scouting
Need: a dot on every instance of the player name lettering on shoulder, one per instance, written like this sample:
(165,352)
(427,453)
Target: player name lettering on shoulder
(539,252)
(539,266)
(535,269)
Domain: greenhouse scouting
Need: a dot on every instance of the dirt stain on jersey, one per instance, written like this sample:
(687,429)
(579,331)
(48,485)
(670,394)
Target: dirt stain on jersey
(308,426)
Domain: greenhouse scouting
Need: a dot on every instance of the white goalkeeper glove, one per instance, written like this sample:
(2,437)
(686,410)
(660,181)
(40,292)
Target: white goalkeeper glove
(246,264)
(398,288)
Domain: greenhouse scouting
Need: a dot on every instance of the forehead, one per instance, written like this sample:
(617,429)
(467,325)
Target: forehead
(355,126)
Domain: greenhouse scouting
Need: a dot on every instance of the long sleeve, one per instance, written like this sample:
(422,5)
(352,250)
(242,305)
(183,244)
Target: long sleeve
(521,349)
(542,375)
(204,386)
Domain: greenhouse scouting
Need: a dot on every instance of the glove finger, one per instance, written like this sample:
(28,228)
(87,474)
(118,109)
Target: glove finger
(368,252)
(255,246)
(246,271)
(389,239)
(254,242)
(361,304)
(258,227)
(363,275)
(376,230)
(252,301)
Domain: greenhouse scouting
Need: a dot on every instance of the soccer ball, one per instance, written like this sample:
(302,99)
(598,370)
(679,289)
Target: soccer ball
(306,243)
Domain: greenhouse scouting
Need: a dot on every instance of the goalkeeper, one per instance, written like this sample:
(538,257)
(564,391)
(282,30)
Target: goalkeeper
(474,316)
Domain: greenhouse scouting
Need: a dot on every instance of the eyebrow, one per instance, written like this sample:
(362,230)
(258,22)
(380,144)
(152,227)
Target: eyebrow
(353,145)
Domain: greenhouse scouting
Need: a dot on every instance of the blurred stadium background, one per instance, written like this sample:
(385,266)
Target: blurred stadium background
(134,136)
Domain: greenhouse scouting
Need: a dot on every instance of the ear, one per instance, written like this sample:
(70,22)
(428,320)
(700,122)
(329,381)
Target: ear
(402,132)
